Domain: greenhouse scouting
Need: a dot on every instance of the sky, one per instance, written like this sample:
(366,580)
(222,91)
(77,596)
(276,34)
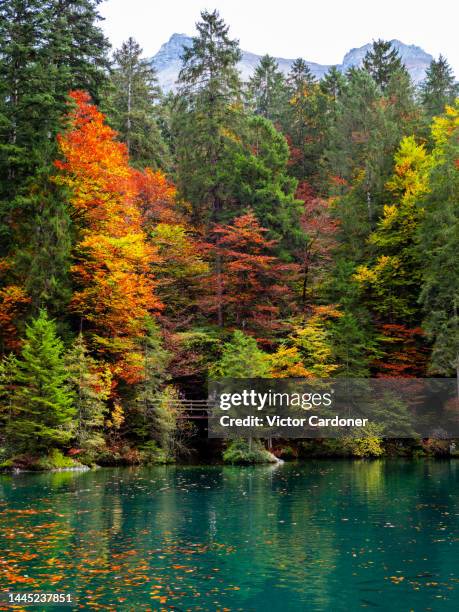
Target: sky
(320,30)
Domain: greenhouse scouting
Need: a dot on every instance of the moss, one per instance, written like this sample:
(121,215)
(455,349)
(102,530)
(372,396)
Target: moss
(241,452)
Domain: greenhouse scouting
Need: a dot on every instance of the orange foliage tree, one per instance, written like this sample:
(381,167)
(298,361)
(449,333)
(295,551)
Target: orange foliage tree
(115,290)
(13,303)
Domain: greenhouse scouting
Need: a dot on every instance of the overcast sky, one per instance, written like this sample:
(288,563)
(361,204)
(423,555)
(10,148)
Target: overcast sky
(318,30)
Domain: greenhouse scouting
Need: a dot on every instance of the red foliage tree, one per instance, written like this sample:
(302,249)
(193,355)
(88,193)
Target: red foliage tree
(405,352)
(250,286)
(321,228)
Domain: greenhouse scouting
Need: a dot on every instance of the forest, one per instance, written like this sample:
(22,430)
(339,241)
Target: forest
(149,242)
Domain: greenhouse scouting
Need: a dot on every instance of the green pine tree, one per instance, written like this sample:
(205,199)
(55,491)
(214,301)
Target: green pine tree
(241,358)
(134,106)
(304,122)
(8,373)
(381,62)
(207,116)
(42,257)
(42,403)
(142,413)
(49,47)
(363,138)
(91,385)
(257,176)
(267,91)
(333,83)
(353,347)
(439,87)
(439,247)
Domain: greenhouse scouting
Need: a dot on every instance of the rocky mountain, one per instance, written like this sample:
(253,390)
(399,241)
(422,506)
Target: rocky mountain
(167,61)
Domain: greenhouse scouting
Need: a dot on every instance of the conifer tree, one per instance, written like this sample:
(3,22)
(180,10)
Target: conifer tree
(144,416)
(352,346)
(133,106)
(43,403)
(8,373)
(91,385)
(41,263)
(438,88)
(304,122)
(48,48)
(266,89)
(241,358)
(363,138)
(381,62)
(207,115)
(333,83)
(256,175)
(439,246)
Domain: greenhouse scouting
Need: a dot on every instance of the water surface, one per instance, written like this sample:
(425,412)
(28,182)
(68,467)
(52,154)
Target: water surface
(318,536)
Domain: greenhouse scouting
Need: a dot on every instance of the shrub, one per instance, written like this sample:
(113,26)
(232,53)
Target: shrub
(55,460)
(369,444)
(287,452)
(240,451)
(151,453)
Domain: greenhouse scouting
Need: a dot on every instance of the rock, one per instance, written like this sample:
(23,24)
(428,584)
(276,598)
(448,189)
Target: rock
(168,61)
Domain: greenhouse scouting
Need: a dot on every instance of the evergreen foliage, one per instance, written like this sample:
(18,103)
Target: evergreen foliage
(286,227)
(42,401)
(134,106)
(439,87)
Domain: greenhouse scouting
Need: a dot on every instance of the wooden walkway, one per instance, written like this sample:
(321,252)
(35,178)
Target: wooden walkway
(191,409)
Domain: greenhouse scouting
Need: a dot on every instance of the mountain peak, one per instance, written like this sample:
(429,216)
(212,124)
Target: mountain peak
(167,61)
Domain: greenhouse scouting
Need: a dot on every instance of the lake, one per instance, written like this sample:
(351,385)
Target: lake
(322,535)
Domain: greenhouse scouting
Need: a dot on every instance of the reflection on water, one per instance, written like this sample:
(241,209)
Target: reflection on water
(318,536)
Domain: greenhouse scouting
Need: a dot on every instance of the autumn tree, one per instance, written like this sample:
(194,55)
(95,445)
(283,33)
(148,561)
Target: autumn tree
(320,227)
(253,287)
(114,293)
(180,266)
(391,284)
(48,47)
(308,349)
(394,278)
(14,303)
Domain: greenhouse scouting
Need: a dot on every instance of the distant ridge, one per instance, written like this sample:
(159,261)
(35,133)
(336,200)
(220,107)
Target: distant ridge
(167,61)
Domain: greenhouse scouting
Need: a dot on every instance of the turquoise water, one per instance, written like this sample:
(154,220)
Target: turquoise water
(317,536)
